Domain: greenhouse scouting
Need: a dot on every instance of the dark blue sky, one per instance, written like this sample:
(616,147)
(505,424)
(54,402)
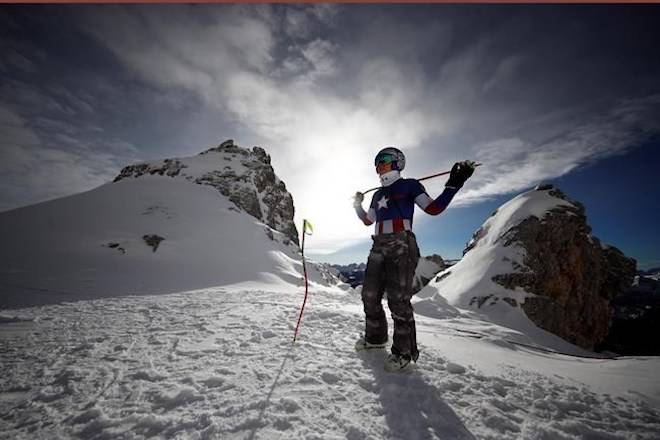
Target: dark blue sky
(568,94)
(621,214)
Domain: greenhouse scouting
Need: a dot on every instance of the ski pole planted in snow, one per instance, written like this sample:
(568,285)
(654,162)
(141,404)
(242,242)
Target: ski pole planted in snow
(307,230)
(423,178)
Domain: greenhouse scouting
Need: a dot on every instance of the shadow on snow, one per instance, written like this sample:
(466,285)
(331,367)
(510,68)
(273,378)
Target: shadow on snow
(412,407)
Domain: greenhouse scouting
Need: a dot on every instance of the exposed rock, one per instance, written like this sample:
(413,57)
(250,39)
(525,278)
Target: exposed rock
(443,276)
(169,167)
(267,191)
(437,259)
(476,236)
(261,155)
(244,176)
(328,274)
(427,268)
(227,146)
(573,276)
(269,233)
(235,189)
(479,301)
(153,240)
(510,301)
(113,245)
(352,274)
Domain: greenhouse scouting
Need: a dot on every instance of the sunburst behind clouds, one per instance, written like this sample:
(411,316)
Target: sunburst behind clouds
(323,87)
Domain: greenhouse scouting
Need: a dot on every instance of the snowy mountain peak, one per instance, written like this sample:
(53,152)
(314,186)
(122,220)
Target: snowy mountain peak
(534,262)
(535,203)
(219,218)
(244,176)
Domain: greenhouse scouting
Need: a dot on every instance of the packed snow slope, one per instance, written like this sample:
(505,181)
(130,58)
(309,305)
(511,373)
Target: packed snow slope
(218,363)
(94,244)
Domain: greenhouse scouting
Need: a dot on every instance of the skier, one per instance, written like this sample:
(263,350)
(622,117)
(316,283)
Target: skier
(394,254)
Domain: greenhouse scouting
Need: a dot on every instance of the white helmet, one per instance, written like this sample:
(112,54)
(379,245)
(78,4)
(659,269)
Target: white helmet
(391,155)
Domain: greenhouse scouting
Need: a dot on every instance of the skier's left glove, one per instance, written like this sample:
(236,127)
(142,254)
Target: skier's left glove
(460,172)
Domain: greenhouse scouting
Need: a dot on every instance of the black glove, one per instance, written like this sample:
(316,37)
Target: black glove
(460,172)
(357,199)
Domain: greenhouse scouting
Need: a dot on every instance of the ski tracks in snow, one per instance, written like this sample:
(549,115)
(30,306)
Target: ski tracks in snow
(220,364)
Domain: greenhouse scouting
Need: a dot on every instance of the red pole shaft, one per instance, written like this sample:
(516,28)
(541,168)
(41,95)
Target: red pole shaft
(302,309)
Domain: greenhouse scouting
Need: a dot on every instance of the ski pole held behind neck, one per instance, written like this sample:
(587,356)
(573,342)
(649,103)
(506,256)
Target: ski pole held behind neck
(423,178)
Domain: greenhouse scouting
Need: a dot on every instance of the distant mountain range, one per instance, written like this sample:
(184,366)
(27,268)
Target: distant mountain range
(650,273)
(427,268)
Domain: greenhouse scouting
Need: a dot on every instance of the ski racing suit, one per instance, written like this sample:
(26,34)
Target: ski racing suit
(393,259)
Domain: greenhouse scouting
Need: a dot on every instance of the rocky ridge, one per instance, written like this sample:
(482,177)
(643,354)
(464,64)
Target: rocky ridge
(244,176)
(427,268)
(572,275)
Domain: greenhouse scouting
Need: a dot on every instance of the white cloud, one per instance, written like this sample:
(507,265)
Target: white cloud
(513,165)
(20,61)
(504,72)
(323,105)
(176,46)
(297,23)
(13,127)
(77,100)
(301,21)
(320,54)
(34,168)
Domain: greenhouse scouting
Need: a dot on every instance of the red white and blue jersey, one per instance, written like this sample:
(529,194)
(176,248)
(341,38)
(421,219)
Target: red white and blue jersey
(392,206)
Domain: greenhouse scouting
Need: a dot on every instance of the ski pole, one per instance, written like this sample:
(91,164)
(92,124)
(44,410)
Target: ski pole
(307,226)
(423,178)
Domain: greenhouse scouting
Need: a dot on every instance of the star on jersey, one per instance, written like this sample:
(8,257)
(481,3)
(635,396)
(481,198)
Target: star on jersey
(382,203)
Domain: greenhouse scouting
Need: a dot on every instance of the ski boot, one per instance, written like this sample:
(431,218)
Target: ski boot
(396,363)
(362,344)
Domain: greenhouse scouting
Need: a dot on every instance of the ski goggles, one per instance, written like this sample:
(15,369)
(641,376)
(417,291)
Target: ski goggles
(384,158)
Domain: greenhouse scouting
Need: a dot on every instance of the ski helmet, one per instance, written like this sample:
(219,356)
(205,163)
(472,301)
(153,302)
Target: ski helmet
(391,155)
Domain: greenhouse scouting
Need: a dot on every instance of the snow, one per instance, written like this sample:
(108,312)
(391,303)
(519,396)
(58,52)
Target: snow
(58,250)
(455,368)
(654,276)
(219,363)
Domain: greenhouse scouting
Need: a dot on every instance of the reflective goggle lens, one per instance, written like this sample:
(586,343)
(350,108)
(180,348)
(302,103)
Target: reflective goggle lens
(384,158)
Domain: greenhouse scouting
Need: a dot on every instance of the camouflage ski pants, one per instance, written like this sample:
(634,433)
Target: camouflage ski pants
(390,269)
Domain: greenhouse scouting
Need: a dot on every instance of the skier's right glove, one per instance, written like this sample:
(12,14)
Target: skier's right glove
(357,199)
(460,172)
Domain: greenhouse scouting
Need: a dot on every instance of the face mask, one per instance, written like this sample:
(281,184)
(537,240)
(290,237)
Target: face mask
(389,178)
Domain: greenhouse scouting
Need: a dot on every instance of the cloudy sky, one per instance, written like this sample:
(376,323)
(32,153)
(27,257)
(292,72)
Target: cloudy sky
(567,94)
